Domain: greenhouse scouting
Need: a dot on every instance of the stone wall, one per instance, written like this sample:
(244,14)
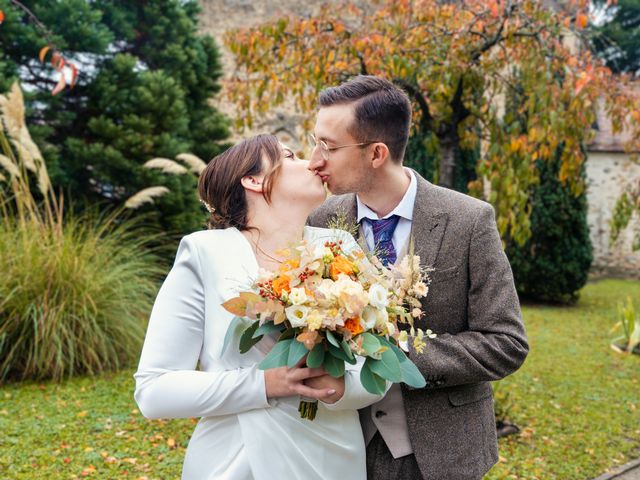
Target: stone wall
(607,175)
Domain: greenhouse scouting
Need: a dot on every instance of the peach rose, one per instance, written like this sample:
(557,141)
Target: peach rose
(281,284)
(340,265)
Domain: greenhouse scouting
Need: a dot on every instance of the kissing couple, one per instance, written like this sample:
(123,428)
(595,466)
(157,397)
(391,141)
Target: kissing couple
(261,198)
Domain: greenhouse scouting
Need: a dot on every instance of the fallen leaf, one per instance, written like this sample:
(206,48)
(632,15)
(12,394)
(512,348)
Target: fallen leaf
(171,443)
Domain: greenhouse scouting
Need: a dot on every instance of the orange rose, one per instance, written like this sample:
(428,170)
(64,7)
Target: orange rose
(354,326)
(281,283)
(340,265)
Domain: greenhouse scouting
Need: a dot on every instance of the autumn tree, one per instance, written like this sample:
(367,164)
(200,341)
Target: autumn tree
(457,61)
(146,79)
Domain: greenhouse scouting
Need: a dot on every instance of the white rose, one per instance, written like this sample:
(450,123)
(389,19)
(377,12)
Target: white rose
(378,296)
(372,317)
(345,286)
(350,294)
(369,317)
(298,296)
(297,315)
(325,288)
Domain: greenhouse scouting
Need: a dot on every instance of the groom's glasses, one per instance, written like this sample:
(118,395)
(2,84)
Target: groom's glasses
(326,149)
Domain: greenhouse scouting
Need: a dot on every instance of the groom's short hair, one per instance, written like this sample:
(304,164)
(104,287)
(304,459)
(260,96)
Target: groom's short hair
(382,111)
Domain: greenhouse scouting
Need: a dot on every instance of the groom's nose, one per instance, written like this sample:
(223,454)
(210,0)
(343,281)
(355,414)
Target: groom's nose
(315,160)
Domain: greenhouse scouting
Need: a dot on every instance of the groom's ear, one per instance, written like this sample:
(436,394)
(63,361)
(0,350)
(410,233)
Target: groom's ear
(252,183)
(380,155)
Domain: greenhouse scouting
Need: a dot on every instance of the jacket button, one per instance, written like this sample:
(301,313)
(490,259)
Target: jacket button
(380,413)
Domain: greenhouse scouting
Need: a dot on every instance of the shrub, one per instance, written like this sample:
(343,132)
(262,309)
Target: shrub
(553,264)
(74,297)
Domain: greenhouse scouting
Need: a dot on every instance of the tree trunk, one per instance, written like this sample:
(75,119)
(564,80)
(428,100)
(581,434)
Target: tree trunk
(449,145)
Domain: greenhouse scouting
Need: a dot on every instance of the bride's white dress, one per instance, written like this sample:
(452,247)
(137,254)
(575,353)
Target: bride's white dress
(241,435)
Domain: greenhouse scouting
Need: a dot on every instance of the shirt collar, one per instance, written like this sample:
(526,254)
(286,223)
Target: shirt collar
(404,209)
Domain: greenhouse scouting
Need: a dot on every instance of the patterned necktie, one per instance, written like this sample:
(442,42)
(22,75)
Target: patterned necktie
(382,236)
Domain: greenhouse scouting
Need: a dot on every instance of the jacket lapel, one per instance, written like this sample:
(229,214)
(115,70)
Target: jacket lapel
(429,223)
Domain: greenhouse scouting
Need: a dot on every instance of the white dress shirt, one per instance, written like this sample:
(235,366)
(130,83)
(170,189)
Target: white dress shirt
(404,210)
(242,435)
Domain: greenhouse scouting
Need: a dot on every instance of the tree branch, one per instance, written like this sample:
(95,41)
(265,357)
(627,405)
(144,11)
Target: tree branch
(426,121)
(35,20)
(460,110)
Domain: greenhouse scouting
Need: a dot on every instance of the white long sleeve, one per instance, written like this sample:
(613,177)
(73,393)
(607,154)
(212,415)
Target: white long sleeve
(167,382)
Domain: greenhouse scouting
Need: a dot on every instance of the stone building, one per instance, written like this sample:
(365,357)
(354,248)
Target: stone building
(609,168)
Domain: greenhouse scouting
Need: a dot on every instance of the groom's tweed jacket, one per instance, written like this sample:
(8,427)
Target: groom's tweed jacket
(473,308)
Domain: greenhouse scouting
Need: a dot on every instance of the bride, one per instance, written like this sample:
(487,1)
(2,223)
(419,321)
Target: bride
(259,195)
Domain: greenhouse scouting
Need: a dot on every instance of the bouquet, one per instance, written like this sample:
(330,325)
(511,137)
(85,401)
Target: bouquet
(332,306)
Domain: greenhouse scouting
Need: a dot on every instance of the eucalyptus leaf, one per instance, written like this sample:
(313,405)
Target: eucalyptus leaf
(372,382)
(332,339)
(410,373)
(339,353)
(296,352)
(234,327)
(388,366)
(370,343)
(316,356)
(346,348)
(398,351)
(334,366)
(247,339)
(278,355)
(287,334)
(266,329)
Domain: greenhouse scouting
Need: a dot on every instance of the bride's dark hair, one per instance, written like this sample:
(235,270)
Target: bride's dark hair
(219,185)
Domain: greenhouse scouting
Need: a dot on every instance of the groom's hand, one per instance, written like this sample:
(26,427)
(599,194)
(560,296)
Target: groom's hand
(286,382)
(327,382)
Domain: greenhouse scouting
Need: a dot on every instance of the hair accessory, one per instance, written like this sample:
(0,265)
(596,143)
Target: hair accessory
(209,208)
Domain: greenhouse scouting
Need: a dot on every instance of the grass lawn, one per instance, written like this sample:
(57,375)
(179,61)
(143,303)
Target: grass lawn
(577,402)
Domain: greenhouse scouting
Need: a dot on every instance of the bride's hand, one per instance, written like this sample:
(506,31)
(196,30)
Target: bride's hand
(286,382)
(328,382)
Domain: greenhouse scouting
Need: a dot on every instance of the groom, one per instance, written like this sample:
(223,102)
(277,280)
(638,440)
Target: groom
(445,431)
